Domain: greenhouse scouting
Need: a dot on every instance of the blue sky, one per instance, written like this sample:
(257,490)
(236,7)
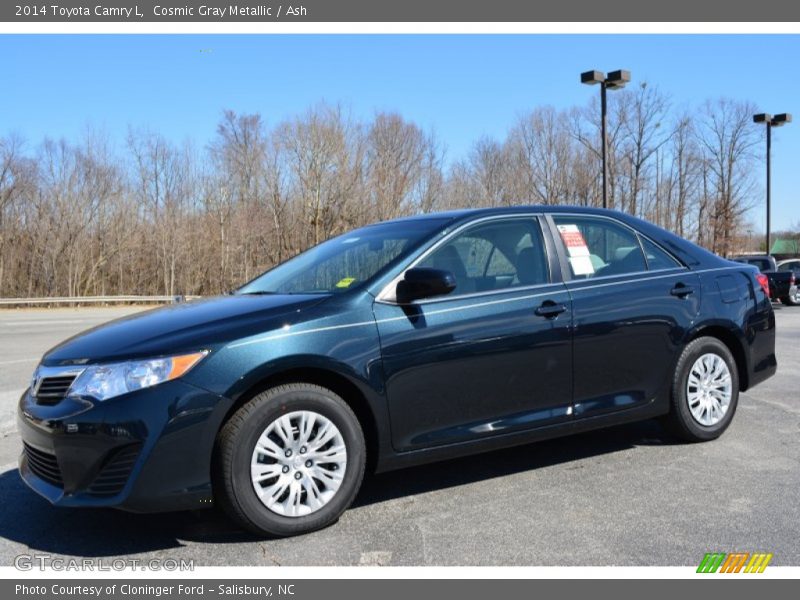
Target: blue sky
(462,87)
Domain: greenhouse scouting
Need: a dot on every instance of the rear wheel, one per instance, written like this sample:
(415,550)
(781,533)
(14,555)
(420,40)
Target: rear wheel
(705,391)
(289,461)
(792,299)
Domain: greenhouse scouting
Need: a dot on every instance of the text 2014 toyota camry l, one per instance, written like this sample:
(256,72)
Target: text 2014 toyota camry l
(407,341)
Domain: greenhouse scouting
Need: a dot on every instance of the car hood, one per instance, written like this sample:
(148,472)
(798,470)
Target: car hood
(187,327)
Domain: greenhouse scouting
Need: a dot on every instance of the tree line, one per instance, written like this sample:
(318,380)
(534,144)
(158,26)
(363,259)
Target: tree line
(155,216)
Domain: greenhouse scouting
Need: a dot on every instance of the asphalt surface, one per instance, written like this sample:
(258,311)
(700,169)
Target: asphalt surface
(629,495)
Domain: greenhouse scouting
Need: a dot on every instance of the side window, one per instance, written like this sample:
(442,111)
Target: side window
(656,257)
(599,247)
(493,256)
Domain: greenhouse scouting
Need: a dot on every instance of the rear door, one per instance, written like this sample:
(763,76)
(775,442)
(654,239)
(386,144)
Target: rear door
(632,302)
(491,358)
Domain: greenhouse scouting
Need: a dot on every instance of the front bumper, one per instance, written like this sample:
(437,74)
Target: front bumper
(146,451)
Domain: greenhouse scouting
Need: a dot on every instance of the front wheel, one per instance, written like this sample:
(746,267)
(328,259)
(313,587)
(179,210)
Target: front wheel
(705,391)
(290,461)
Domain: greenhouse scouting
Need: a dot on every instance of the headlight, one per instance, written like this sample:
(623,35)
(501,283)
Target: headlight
(114,379)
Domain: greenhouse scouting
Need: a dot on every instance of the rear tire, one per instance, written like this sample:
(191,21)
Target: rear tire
(791,300)
(262,480)
(703,408)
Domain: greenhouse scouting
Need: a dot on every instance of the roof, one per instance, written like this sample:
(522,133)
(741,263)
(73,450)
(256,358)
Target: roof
(510,210)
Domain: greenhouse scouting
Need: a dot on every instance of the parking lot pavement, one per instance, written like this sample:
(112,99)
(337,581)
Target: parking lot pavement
(630,495)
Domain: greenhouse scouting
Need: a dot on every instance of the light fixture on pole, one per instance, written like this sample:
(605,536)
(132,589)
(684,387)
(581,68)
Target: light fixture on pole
(770,121)
(614,81)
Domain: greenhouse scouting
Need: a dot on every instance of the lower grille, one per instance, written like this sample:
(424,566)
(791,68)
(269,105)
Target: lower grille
(44,465)
(51,390)
(114,475)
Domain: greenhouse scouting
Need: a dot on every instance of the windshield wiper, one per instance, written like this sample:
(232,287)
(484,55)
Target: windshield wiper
(257,293)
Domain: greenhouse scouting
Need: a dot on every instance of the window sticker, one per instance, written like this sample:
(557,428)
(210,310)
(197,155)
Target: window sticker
(345,282)
(579,258)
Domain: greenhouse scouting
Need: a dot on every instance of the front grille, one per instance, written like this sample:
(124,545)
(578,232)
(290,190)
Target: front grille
(114,475)
(44,465)
(51,390)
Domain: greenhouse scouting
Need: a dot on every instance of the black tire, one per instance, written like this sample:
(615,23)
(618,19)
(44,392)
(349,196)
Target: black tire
(680,421)
(233,487)
(792,300)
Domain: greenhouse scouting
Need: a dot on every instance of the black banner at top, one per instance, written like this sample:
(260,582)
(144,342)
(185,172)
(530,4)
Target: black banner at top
(311,11)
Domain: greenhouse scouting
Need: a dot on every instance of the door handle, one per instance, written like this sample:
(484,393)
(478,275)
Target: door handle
(550,309)
(681,290)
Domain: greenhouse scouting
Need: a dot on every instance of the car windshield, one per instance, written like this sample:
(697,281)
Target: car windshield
(344,262)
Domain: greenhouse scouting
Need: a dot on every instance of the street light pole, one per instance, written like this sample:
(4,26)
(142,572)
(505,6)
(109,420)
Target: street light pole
(770,122)
(604,138)
(769,182)
(614,81)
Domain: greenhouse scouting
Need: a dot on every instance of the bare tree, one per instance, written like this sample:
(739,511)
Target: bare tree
(541,156)
(728,140)
(643,114)
(161,217)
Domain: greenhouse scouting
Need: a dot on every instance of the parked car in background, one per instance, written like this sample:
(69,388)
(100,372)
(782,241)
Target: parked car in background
(764,262)
(783,282)
(400,343)
(792,267)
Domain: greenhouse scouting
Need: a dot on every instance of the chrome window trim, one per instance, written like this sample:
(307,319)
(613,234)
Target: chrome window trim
(387,294)
(275,335)
(660,274)
(628,275)
(509,290)
(678,264)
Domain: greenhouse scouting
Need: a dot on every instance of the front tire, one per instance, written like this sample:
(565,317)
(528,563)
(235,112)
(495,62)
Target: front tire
(705,391)
(290,461)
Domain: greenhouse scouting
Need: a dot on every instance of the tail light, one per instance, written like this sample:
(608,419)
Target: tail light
(763,282)
(792,279)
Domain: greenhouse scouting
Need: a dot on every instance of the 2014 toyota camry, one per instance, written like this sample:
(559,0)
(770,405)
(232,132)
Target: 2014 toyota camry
(407,341)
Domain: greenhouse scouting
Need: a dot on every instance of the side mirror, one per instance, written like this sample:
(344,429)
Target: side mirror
(424,283)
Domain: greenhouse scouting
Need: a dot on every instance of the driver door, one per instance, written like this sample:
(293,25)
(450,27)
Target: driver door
(492,357)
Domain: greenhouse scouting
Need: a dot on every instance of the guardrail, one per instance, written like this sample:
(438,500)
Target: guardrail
(94,300)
